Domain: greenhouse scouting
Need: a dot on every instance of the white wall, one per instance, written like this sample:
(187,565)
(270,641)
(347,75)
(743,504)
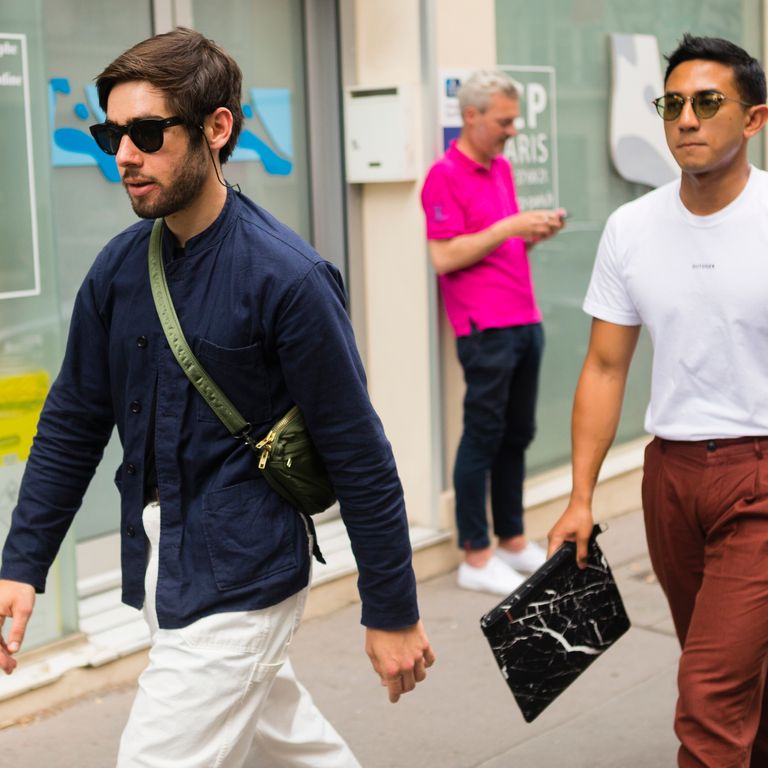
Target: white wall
(404,341)
(465,33)
(471,45)
(388,51)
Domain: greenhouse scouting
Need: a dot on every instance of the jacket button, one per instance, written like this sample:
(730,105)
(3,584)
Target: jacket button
(130,469)
(141,342)
(130,530)
(135,406)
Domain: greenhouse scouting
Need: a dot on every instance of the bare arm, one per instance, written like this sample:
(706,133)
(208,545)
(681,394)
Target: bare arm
(465,250)
(596,412)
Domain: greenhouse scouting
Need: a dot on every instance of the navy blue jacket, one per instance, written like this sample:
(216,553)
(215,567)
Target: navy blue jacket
(266,316)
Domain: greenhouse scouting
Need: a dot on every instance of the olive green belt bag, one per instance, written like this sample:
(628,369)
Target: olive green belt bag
(288,459)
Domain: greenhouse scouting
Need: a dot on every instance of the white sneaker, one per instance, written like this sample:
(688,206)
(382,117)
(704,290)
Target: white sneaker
(494,577)
(528,559)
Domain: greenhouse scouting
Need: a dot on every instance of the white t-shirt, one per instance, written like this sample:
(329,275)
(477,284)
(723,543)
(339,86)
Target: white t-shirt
(700,286)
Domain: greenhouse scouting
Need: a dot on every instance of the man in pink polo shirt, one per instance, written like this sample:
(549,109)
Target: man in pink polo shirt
(478,242)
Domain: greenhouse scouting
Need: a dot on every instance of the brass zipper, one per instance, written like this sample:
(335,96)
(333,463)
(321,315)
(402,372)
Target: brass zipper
(266,443)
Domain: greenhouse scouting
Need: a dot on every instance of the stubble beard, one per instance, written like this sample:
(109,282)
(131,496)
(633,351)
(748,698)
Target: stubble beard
(181,192)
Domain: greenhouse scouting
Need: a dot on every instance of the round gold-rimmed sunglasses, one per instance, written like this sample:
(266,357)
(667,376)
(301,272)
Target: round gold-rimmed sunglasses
(705,104)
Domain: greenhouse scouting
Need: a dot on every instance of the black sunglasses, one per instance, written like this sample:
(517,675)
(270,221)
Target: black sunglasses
(705,104)
(146,134)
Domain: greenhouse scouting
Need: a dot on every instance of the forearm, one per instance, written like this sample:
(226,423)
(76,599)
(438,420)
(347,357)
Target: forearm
(596,413)
(464,251)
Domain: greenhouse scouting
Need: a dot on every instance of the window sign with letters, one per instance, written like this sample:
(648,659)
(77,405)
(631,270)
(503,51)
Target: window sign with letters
(533,151)
(20,262)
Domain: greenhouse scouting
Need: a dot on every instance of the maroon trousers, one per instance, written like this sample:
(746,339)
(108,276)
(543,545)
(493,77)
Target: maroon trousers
(706,519)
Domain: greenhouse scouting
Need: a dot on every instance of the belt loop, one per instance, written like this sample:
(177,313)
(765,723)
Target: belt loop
(662,444)
(758,449)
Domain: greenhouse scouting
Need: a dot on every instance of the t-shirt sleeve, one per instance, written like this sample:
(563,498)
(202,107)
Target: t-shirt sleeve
(607,297)
(444,213)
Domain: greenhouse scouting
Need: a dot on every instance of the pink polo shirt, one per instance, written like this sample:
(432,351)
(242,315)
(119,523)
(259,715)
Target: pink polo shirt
(460,197)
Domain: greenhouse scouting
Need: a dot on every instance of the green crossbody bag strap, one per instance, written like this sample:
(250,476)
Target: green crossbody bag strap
(220,404)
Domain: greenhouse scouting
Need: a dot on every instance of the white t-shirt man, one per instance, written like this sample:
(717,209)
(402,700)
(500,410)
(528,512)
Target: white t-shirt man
(700,286)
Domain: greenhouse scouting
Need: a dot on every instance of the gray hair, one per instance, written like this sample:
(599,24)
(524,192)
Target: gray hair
(477,89)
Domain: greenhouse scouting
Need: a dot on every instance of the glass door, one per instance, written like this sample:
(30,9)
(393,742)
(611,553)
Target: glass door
(89,204)
(270,162)
(30,328)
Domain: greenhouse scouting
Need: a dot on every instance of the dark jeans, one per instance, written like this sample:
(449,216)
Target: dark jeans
(501,369)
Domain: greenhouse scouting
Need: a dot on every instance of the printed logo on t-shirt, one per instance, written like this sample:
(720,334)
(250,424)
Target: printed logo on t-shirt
(437,213)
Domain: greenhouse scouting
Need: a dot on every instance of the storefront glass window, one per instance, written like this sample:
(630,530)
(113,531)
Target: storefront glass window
(90,206)
(563,48)
(30,329)
(271,163)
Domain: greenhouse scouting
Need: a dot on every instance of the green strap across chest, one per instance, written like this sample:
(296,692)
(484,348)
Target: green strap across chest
(220,404)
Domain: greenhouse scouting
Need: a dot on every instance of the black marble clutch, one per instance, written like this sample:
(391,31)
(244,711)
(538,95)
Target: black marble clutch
(552,627)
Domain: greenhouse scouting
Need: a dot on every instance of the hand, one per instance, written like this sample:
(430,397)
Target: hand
(16,601)
(534,226)
(400,657)
(575,524)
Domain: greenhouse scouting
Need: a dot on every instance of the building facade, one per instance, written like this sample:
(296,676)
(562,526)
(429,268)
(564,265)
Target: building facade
(588,141)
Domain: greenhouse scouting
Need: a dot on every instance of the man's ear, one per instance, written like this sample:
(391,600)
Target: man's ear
(755,120)
(470,114)
(217,127)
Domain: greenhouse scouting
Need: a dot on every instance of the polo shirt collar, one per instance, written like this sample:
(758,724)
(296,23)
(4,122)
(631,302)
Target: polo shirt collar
(467,163)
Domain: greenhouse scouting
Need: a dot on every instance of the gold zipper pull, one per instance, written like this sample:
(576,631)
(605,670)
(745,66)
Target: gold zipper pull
(267,440)
(263,458)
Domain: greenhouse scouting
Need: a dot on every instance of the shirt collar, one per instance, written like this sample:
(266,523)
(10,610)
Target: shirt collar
(212,234)
(467,162)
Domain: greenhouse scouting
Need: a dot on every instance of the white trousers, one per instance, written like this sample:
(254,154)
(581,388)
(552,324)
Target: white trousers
(221,685)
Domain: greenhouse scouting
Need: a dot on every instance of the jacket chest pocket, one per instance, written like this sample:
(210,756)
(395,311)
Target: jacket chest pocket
(241,373)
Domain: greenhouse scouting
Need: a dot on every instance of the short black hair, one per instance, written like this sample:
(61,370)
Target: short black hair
(747,72)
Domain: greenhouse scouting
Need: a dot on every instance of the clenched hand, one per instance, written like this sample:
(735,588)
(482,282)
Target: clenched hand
(400,657)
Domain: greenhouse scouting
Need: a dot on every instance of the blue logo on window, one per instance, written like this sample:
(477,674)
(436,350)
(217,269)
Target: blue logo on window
(268,108)
(452,87)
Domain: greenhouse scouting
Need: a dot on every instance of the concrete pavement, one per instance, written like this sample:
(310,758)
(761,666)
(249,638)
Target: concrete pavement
(619,713)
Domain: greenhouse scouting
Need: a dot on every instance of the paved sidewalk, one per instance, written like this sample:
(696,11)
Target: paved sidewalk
(618,714)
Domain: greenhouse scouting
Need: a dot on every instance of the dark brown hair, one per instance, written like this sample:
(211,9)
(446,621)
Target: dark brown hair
(195,75)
